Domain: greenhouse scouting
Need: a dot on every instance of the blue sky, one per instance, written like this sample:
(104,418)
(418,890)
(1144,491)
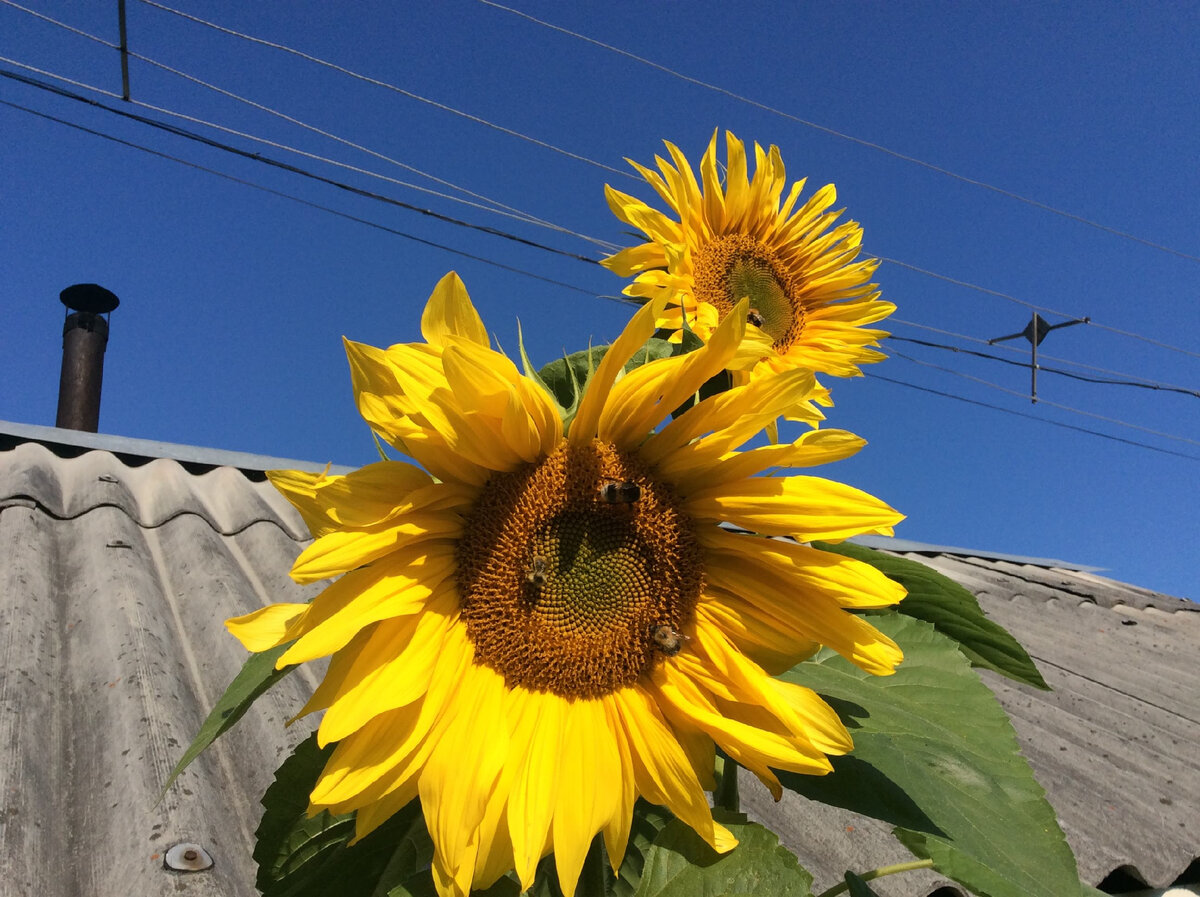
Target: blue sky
(234,300)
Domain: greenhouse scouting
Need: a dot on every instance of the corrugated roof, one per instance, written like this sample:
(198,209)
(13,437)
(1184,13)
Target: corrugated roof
(116,573)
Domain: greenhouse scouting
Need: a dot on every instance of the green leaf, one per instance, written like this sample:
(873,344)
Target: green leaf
(648,821)
(952,610)
(299,856)
(680,864)
(939,736)
(257,675)
(566,378)
(858,887)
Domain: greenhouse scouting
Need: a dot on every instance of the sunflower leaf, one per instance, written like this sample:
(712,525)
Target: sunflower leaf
(255,678)
(648,821)
(680,864)
(952,610)
(857,887)
(302,856)
(958,789)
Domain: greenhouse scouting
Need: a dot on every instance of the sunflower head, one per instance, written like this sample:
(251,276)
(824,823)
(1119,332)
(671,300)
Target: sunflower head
(810,296)
(543,620)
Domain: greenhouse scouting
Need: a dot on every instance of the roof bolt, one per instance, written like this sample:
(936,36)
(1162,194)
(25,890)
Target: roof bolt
(187,858)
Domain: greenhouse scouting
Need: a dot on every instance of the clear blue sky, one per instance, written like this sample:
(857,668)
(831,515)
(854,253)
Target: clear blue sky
(234,300)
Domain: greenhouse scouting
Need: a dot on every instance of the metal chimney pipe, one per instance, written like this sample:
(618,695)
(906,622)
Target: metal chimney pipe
(85,335)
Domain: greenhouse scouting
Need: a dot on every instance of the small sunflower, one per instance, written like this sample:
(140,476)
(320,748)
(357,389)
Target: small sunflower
(810,295)
(541,623)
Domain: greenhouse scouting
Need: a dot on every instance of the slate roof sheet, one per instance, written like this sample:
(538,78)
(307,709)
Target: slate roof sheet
(118,566)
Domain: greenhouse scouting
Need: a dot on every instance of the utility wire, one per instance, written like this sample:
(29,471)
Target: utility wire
(310,204)
(580,289)
(1042,367)
(1041,355)
(512,212)
(1031,305)
(400,90)
(493,205)
(1043,420)
(1041,401)
(835,133)
(259,157)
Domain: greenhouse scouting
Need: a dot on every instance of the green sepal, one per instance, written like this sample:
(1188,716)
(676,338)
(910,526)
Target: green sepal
(534,374)
(680,864)
(257,675)
(566,379)
(303,856)
(935,755)
(952,610)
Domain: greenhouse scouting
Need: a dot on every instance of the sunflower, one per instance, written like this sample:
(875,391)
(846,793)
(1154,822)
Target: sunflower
(542,622)
(810,295)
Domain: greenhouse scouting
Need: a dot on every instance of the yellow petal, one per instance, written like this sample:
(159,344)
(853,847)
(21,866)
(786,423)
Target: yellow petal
(636,332)
(807,508)
(449,312)
(404,583)
(265,628)
(536,784)
(589,765)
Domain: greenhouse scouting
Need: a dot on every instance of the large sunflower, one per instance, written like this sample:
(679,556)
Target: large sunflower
(810,295)
(545,622)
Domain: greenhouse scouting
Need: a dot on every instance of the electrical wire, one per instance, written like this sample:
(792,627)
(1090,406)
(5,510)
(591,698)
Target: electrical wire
(392,87)
(839,134)
(1042,420)
(511,211)
(493,263)
(494,206)
(1031,305)
(259,157)
(1041,401)
(310,204)
(1049,370)
(1041,355)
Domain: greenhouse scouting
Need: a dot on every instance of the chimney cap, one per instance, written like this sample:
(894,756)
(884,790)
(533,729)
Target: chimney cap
(89,297)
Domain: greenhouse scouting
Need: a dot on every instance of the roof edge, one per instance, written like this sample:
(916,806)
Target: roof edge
(888,543)
(151,449)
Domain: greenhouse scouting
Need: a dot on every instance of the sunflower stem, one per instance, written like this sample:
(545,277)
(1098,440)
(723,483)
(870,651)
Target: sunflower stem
(726,796)
(879,873)
(593,881)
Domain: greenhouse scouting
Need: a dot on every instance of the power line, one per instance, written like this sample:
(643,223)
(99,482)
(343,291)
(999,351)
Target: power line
(1031,305)
(1054,423)
(512,212)
(392,87)
(1012,361)
(840,134)
(310,204)
(495,206)
(523,272)
(266,160)
(1013,392)
(1019,351)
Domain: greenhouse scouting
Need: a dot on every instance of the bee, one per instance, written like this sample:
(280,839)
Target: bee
(754,316)
(537,571)
(669,641)
(624,493)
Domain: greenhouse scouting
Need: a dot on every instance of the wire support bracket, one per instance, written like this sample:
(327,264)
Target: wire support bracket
(1035,331)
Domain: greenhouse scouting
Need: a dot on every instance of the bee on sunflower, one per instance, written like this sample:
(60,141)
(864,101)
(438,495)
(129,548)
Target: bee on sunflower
(552,613)
(810,295)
